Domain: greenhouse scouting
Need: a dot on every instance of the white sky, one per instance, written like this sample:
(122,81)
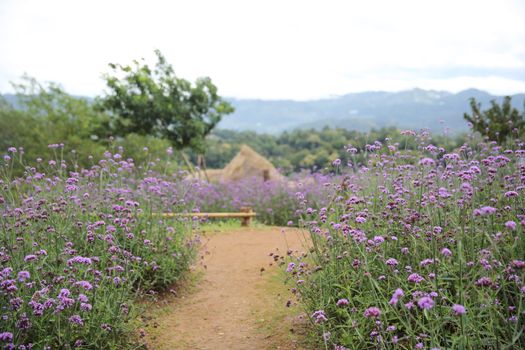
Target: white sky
(271,49)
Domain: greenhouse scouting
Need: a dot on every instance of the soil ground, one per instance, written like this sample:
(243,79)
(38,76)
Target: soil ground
(238,301)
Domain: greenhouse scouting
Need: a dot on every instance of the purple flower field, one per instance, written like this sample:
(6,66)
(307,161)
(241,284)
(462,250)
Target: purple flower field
(413,249)
(79,246)
(419,250)
(275,202)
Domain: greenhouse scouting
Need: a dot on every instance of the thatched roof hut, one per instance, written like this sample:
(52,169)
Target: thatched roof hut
(246,164)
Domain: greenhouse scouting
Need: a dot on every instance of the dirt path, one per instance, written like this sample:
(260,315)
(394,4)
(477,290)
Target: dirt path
(235,305)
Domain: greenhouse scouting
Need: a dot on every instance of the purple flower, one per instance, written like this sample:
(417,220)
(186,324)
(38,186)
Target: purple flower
(30,257)
(342,302)
(483,282)
(84,284)
(16,303)
(64,293)
(372,312)
(23,275)
(398,293)
(510,225)
(459,309)
(326,336)
(23,322)
(416,278)
(484,211)
(443,193)
(446,252)
(79,260)
(83,298)
(360,220)
(427,161)
(6,336)
(76,319)
(319,316)
(291,267)
(425,303)
(85,307)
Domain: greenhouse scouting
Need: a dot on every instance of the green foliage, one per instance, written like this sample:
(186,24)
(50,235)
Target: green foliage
(156,102)
(309,149)
(498,122)
(47,114)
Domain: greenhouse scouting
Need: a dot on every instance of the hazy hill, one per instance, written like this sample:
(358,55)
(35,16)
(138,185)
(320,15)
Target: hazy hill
(412,109)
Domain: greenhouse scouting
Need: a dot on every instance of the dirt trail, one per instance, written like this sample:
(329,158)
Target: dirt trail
(235,306)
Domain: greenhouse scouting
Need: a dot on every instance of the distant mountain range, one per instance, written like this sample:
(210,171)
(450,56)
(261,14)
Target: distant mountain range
(411,109)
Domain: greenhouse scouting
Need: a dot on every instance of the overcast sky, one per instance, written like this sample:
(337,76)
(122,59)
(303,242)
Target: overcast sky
(271,49)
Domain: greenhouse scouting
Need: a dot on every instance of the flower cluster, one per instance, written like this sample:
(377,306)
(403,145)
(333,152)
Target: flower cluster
(420,249)
(77,246)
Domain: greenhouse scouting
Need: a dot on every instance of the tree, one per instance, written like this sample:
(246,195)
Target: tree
(67,117)
(45,114)
(156,102)
(497,122)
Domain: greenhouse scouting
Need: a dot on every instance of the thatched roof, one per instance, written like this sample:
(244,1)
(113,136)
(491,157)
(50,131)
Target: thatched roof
(246,164)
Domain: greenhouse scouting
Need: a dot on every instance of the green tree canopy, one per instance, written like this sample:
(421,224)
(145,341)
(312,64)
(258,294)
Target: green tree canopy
(497,122)
(156,102)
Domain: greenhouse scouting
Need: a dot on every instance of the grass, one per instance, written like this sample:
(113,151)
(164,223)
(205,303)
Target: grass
(284,326)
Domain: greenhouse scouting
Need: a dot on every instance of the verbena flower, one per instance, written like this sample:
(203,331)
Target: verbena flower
(342,302)
(459,309)
(23,275)
(319,316)
(6,336)
(398,293)
(372,312)
(76,319)
(425,303)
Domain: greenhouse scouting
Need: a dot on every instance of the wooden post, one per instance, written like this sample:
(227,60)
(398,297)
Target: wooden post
(246,220)
(266,175)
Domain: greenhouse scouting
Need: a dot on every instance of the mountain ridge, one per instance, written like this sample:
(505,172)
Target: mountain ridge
(410,109)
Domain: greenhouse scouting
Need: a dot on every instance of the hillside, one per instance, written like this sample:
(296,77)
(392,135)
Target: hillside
(412,109)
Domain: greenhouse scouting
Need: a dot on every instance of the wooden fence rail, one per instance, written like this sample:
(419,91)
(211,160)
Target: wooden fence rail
(246,215)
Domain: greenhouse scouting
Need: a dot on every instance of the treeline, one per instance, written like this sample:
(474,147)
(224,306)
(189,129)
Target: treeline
(48,115)
(311,149)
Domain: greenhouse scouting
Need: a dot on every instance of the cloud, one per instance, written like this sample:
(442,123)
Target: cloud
(270,49)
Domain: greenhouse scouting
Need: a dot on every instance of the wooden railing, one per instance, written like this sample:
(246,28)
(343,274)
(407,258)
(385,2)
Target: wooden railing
(246,215)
